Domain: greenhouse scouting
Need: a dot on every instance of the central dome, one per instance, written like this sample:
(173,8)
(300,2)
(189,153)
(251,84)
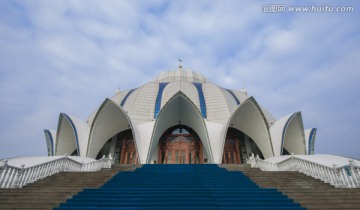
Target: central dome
(180,75)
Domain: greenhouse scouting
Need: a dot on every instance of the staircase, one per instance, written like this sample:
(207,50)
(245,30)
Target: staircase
(309,192)
(51,191)
(202,186)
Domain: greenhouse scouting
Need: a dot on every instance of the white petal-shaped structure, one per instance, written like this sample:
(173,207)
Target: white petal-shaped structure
(180,117)
(72,135)
(109,120)
(288,135)
(67,137)
(249,118)
(277,131)
(310,135)
(179,110)
(294,137)
(50,136)
(82,134)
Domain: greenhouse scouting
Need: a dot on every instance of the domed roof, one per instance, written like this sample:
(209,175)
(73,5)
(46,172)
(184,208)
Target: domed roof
(180,75)
(179,97)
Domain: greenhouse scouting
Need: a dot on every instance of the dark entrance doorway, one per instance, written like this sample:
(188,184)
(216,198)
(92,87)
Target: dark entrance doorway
(123,148)
(238,147)
(180,145)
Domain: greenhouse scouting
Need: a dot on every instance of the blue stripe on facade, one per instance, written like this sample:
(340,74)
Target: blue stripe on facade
(127,95)
(162,86)
(311,139)
(201,98)
(233,95)
(51,141)
(75,133)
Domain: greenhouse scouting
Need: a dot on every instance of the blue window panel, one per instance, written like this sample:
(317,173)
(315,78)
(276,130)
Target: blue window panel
(233,95)
(201,98)
(47,132)
(127,95)
(162,86)
(75,133)
(311,140)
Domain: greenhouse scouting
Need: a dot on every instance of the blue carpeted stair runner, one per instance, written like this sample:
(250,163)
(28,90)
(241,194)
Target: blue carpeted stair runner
(180,187)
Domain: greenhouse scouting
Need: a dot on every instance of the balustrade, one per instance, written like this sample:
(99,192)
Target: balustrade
(15,177)
(347,176)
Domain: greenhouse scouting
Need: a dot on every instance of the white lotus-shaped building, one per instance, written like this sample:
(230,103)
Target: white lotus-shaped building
(180,117)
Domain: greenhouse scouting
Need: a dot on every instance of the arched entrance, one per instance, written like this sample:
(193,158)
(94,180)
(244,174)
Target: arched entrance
(180,145)
(122,148)
(238,147)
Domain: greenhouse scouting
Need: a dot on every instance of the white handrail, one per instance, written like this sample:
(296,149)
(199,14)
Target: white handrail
(347,176)
(17,177)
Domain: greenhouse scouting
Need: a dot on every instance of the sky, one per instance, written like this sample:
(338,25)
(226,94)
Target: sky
(68,56)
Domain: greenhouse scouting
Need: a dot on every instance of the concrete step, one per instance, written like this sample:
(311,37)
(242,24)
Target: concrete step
(309,192)
(180,186)
(51,191)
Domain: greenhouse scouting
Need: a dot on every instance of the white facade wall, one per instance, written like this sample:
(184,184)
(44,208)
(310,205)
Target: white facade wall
(185,87)
(217,135)
(169,91)
(240,95)
(230,100)
(143,105)
(143,133)
(216,105)
(119,96)
(131,100)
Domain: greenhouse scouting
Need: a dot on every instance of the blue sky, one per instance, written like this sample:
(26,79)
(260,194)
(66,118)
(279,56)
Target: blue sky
(68,56)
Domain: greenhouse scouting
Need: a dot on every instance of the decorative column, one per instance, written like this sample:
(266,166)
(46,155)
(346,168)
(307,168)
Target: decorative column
(173,156)
(201,154)
(237,150)
(122,152)
(187,156)
(136,158)
(159,159)
(166,157)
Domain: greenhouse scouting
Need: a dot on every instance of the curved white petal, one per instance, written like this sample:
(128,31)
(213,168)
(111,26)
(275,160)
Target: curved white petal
(109,120)
(179,110)
(72,134)
(249,118)
(66,135)
(288,133)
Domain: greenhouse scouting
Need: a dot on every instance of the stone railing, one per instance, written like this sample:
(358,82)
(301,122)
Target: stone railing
(347,176)
(17,177)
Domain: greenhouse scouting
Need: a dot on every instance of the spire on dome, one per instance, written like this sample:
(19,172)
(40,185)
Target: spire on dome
(180,66)
(180,75)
